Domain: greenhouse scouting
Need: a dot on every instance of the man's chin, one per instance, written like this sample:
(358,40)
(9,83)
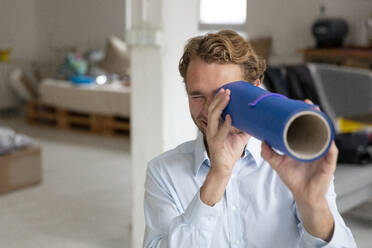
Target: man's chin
(203,131)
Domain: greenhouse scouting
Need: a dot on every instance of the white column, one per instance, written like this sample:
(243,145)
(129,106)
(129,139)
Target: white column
(160,118)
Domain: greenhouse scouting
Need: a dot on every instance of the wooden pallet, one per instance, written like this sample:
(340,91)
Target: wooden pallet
(40,113)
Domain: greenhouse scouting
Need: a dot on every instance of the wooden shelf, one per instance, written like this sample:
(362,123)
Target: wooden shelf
(353,57)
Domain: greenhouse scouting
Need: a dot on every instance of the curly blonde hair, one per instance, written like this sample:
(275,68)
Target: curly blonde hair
(223,47)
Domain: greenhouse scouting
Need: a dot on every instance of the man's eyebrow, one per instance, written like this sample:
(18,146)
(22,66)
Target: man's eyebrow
(195,92)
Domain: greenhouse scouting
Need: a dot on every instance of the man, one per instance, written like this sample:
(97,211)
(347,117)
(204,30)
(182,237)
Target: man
(226,188)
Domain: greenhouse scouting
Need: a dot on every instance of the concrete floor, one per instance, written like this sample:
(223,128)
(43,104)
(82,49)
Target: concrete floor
(85,197)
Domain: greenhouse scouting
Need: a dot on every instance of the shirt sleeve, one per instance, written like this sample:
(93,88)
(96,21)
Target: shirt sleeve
(342,236)
(167,225)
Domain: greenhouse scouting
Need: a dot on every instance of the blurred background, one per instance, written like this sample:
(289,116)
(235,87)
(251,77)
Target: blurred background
(90,91)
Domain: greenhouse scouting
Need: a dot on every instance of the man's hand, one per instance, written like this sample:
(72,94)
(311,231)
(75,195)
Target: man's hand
(224,147)
(309,183)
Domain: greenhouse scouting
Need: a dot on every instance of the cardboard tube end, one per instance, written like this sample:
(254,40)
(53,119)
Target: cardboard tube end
(307,135)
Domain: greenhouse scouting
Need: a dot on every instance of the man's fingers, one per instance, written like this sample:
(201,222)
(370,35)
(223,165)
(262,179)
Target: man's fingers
(217,98)
(224,131)
(270,155)
(220,101)
(310,102)
(332,154)
(215,110)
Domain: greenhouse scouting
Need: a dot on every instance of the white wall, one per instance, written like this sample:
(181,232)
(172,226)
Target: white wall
(43,31)
(18,28)
(82,24)
(178,124)
(162,119)
(147,136)
(289,22)
(18,32)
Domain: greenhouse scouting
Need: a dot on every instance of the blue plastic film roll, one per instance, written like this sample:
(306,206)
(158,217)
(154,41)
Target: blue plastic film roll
(290,126)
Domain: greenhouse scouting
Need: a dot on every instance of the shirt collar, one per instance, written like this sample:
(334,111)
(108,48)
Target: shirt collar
(253,148)
(200,153)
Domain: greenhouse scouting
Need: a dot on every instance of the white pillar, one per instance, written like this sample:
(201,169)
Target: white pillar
(160,118)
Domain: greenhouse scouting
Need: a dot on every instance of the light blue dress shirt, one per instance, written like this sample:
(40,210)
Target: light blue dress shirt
(257,209)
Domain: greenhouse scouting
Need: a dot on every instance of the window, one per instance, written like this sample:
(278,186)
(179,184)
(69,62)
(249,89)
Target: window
(219,14)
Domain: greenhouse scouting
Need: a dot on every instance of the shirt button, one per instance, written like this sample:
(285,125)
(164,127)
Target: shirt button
(237,242)
(233,175)
(234,208)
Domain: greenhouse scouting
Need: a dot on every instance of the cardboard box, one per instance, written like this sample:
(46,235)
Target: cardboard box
(20,169)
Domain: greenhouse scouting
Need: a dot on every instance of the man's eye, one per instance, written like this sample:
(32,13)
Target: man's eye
(197,97)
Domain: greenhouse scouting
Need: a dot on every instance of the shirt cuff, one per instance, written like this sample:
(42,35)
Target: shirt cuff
(337,240)
(311,241)
(201,215)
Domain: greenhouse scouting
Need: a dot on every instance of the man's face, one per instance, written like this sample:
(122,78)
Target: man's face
(203,80)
